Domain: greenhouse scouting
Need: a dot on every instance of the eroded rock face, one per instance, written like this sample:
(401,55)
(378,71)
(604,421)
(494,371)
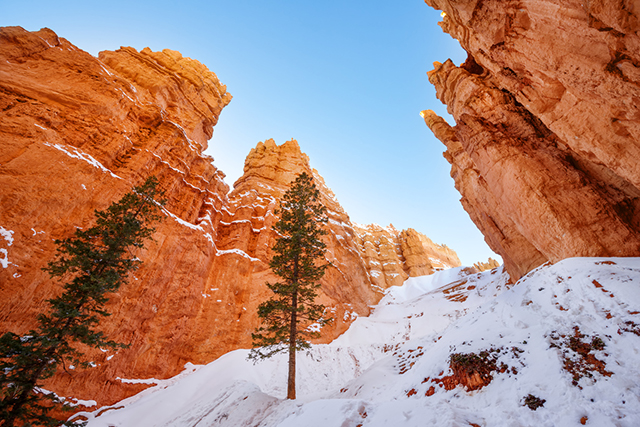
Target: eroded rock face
(76,135)
(365,260)
(392,256)
(486,266)
(545,149)
(77,132)
(246,227)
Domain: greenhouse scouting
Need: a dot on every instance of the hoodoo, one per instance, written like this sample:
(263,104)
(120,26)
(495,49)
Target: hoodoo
(546,143)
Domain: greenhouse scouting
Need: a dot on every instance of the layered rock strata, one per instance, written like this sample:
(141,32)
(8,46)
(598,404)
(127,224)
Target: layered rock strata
(364,260)
(77,132)
(392,256)
(75,135)
(546,143)
(246,229)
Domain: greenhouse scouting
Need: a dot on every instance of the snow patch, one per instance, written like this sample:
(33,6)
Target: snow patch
(188,224)
(37,232)
(193,146)
(4,258)
(105,69)
(166,163)
(7,235)
(48,44)
(4,253)
(237,252)
(73,152)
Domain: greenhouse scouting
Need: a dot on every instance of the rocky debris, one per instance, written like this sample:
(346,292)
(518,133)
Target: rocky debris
(545,147)
(533,402)
(578,353)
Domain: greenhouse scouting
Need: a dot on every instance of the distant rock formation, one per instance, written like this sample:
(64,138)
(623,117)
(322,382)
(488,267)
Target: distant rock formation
(546,147)
(392,256)
(485,266)
(77,132)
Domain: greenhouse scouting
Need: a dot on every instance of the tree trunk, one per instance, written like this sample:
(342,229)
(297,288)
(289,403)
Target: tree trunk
(17,404)
(291,386)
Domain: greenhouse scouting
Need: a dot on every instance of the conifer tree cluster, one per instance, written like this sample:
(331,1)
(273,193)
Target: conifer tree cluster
(286,317)
(91,264)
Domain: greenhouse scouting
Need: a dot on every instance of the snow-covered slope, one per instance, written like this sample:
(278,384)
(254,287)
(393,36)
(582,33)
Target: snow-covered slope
(392,368)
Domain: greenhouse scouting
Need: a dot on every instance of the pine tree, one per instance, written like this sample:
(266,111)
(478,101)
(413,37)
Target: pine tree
(286,317)
(91,264)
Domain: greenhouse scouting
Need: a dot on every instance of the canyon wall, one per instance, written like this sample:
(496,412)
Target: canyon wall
(77,132)
(546,145)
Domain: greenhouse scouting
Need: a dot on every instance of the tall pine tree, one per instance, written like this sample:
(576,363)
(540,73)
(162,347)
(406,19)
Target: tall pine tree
(286,317)
(91,264)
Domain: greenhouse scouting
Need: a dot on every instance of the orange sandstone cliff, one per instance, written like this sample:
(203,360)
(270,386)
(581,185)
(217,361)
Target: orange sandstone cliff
(546,147)
(77,132)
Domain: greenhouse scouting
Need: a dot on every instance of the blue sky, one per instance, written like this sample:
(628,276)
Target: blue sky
(346,78)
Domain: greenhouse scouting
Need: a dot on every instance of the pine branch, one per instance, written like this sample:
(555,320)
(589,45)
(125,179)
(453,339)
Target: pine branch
(92,263)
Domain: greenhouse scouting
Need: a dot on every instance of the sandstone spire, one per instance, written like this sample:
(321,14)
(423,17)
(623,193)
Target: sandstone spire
(545,148)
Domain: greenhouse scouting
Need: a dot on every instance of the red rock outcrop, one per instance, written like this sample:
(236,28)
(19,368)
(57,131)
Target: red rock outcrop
(76,132)
(545,149)
(365,260)
(486,266)
(392,256)
(75,136)
(245,229)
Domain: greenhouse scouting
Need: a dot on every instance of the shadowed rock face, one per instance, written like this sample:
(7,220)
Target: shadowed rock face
(77,132)
(546,144)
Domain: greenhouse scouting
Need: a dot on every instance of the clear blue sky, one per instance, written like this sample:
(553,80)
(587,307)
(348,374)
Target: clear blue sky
(346,78)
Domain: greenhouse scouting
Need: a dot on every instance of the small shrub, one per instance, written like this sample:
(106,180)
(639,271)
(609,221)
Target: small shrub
(474,370)
(533,402)
(597,343)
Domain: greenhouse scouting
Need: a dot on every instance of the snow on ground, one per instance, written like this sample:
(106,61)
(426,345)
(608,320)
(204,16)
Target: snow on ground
(374,374)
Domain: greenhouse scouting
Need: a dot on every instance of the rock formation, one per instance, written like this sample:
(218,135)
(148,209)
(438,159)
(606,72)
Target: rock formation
(546,143)
(77,132)
(392,256)
(485,266)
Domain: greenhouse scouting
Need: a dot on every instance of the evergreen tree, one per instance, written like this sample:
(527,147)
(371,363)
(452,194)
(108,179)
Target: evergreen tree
(91,264)
(286,317)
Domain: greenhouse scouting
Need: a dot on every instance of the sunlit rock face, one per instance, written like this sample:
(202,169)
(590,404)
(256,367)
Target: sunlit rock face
(77,132)
(546,143)
(364,260)
(75,135)
(392,256)
(486,266)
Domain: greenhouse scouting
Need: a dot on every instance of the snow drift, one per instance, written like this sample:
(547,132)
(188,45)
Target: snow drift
(565,337)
